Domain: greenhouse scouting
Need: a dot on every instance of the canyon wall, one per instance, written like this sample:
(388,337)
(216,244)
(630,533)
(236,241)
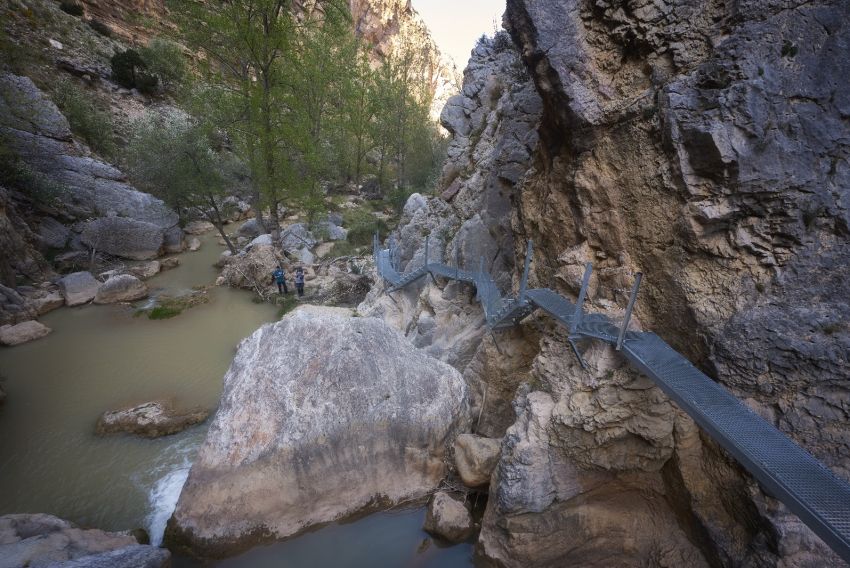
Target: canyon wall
(706,145)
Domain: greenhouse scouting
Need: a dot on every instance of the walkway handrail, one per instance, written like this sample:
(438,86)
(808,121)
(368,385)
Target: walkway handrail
(784,469)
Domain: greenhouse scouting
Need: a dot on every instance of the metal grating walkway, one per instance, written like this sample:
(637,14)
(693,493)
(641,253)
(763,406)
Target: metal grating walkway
(784,469)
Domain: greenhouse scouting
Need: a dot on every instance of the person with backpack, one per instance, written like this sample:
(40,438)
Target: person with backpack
(279,277)
(299,281)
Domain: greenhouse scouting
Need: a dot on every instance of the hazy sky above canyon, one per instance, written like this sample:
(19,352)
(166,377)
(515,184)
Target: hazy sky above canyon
(456,24)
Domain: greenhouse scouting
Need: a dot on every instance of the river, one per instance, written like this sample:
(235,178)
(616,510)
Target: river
(100,358)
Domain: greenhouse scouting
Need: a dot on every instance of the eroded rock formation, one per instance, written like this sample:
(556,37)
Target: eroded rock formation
(704,144)
(44,540)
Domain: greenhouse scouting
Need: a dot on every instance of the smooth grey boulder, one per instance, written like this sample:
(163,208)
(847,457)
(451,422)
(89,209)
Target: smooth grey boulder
(53,234)
(124,237)
(332,231)
(39,540)
(475,458)
(448,518)
(78,288)
(261,240)
(145,269)
(121,288)
(348,417)
(194,244)
(22,332)
(172,240)
(297,236)
(251,229)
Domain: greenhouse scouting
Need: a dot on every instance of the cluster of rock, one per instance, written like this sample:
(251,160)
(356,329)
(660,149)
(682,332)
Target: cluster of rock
(323,415)
(336,281)
(99,209)
(672,140)
(41,541)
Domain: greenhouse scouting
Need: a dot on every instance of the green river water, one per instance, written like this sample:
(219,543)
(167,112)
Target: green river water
(101,357)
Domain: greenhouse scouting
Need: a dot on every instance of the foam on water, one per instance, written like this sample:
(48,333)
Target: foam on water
(170,477)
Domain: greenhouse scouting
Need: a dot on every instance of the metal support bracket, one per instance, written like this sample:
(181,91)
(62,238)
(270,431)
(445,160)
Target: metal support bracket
(585,281)
(629,308)
(572,341)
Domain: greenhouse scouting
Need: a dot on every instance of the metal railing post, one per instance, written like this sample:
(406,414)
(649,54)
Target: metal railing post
(629,308)
(588,269)
(523,284)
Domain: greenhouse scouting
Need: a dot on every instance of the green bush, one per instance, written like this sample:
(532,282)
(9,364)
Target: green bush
(165,60)
(86,119)
(100,27)
(130,71)
(71,8)
(361,226)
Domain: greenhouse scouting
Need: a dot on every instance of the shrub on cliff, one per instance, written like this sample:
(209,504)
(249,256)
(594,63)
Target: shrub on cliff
(165,60)
(130,71)
(71,8)
(86,119)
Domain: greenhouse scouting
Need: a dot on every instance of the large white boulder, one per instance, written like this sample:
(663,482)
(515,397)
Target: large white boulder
(22,332)
(121,288)
(322,415)
(78,288)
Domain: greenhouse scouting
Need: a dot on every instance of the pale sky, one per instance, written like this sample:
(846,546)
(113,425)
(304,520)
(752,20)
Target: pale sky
(457,24)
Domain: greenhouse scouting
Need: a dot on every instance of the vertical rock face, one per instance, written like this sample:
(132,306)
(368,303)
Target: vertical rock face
(492,122)
(705,144)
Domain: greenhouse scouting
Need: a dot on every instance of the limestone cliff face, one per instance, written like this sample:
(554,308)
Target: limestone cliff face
(706,145)
(388,25)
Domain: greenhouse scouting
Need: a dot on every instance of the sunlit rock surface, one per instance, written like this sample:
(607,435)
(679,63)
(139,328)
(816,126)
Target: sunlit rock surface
(322,415)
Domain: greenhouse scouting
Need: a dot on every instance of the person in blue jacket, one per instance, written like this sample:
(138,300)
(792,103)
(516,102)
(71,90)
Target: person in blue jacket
(279,278)
(299,281)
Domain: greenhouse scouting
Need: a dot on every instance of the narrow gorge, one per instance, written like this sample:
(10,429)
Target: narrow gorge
(148,349)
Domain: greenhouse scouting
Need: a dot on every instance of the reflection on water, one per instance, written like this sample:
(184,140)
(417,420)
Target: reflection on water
(388,540)
(99,358)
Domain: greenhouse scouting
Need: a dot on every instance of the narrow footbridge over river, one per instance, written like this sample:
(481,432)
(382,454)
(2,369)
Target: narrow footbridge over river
(784,469)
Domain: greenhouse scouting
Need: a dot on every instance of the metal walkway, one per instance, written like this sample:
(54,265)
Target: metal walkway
(785,470)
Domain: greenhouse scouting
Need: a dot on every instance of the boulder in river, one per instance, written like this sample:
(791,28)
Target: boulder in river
(79,288)
(198,227)
(39,540)
(22,332)
(121,288)
(475,458)
(145,270)
(448,518)
(194,244)
(323,415)
(149,420)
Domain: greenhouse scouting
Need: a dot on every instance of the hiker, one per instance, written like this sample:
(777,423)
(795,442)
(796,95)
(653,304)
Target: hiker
(299,281)
(279,277)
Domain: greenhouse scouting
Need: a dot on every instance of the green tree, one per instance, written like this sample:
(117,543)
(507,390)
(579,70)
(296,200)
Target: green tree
(172,156)
(245,43)
(165,59)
